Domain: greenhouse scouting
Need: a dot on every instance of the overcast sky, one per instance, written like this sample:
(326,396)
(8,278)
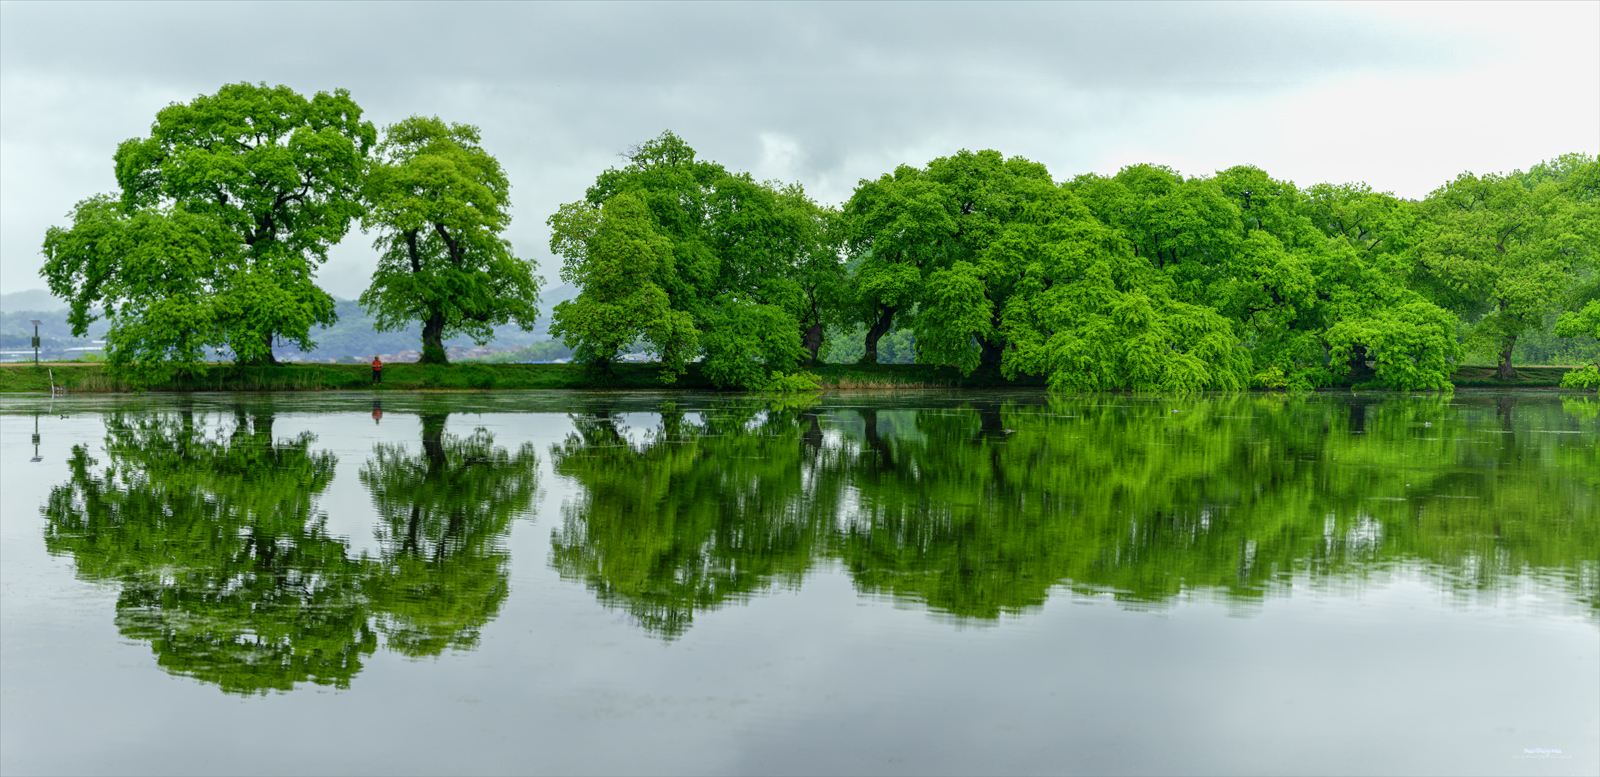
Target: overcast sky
(1403,97)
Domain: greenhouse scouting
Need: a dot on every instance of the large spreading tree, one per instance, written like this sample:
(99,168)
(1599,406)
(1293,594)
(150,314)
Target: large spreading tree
(676,253)
(895,229)
(624,267)
(440,203)
(1503,251)
(226,211)
(1091,315)
(965,292)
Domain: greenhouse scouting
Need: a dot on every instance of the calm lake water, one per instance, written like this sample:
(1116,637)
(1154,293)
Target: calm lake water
(879,583)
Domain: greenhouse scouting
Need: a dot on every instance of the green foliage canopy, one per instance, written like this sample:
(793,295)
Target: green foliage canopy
(1503,250)
(282,173)
(155,273)
(624,267)
(734,271)
(225,212)
(440,203)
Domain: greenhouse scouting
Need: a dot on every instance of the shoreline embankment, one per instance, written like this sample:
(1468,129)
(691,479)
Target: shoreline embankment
(77,378)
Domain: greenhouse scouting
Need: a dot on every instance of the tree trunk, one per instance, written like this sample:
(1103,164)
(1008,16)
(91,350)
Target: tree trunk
(876,333)
(413,530)
(989,422)
(1358,360)
(812,341)
(433,340)
(1505,371)
(270,360)
(1357,424)
(433,442)
(811,437)
(261,426)
(1502,409)
(990,352)
(869,419)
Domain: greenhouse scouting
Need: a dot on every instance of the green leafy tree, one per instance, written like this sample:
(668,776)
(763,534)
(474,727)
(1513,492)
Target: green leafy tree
(1580,323)
(1229,243)
(279,171)
(815,287)
(1579,176)
(154,272)
(624,268)
(772,288)
(1091,315)
(745,269)
(1314,282)
(1503,254)
(745,342)
(440,203)
(1360,312)
(446,511)
(1264,275)
(895,231)
(968,200)
(1185,228)
(1575,170)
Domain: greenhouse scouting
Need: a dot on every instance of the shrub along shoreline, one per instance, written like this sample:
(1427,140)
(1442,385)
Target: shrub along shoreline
(95,378)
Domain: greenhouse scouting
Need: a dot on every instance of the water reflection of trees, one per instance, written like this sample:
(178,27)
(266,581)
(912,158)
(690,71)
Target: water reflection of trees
(445,512)
(225,565)
(981,509)
(698,512)
(212,527)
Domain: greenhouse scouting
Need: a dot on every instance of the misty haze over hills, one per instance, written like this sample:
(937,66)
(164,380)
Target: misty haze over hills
(352,335)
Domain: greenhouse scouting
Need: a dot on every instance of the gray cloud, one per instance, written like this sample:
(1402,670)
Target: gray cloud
(821,93)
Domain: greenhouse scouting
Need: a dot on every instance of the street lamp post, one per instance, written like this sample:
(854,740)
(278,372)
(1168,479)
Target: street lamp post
(36,322)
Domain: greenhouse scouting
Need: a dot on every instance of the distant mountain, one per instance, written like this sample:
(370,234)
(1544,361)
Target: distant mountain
(30,300)
(55,335)
(352,335)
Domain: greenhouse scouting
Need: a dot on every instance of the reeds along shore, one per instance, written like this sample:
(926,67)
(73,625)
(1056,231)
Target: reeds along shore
(95,378)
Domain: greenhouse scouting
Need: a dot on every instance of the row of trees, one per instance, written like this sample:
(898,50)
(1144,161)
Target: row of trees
(226,210)
(1142,280)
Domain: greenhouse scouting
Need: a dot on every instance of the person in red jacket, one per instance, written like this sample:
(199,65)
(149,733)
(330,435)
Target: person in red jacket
(377,371)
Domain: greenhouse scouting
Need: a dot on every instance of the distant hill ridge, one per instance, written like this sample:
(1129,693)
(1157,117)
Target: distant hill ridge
(352,335)
(30,300)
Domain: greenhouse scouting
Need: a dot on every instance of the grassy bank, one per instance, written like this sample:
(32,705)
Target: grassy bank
(79,378)
(95,378)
